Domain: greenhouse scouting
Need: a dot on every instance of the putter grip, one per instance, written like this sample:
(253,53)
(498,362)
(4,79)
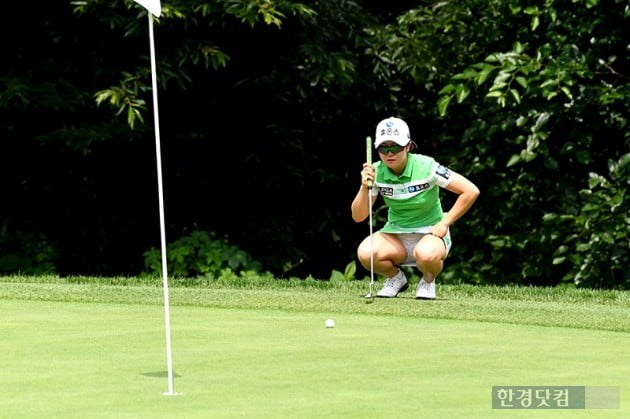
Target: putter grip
(368,154)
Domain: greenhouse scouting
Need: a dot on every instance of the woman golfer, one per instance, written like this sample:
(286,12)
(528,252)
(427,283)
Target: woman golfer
(417,230)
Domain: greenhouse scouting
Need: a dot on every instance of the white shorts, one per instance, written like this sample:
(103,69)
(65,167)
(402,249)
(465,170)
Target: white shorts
(410,240)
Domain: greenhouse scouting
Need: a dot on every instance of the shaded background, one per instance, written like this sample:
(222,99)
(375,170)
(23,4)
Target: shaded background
(264,144)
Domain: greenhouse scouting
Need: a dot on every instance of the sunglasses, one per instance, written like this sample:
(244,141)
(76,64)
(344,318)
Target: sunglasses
(394,149)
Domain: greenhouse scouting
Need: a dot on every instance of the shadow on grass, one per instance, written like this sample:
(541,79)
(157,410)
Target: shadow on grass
(403,297)
(159,374)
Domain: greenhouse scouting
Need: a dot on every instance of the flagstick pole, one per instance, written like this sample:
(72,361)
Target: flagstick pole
(167,314)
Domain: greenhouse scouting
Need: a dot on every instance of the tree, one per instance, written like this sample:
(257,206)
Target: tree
(265,106)
(541,99)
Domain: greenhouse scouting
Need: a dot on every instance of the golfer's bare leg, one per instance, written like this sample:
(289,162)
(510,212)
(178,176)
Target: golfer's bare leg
(388,253)
(430,253)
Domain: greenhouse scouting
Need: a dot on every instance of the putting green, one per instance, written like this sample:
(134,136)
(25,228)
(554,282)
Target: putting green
(67,360)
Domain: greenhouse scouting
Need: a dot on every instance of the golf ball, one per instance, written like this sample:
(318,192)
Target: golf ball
(330,323)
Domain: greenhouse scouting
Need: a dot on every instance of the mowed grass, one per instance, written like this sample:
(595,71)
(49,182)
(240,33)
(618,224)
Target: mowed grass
(98,350)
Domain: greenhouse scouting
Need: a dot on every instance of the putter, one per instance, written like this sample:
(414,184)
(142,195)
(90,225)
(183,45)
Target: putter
(368,144)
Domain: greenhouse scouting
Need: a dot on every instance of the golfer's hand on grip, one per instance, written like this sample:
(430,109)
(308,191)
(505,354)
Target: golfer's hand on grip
(367,175)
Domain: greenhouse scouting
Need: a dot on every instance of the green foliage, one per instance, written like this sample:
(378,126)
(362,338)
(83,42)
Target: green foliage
(125,98)
(594,241)
(347,275)
(531,106)
(128,97)
(531,98)
(200,253)
(527,98)
(25,253)
(250,12)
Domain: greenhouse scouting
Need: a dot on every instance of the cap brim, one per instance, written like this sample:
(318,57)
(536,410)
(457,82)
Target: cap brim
(385,138)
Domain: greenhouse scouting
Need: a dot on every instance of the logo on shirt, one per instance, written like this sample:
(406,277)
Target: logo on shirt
(386,191)
(417,188)
(443,171)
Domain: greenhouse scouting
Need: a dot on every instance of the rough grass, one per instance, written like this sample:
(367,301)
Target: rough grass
(554,307)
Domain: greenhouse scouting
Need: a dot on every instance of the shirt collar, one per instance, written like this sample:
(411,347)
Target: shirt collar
(389,174)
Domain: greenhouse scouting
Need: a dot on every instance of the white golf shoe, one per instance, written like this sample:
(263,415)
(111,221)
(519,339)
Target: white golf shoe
(425,290)
(394,285)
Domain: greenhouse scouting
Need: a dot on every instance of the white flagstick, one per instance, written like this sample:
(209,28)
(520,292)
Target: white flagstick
(156,120)
(368,152)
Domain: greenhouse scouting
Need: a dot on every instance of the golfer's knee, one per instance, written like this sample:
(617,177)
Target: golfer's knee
(363,253)
(427,254)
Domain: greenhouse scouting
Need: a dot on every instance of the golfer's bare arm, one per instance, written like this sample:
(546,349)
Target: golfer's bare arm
(360,208)
(467,192)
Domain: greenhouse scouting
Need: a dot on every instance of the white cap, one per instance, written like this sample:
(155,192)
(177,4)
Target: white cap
(392,129)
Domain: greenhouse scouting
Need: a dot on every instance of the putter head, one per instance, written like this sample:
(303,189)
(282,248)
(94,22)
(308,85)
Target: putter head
(369,294)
